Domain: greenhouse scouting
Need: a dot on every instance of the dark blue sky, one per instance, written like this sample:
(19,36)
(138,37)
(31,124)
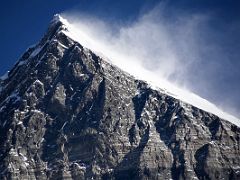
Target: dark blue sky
(24,22)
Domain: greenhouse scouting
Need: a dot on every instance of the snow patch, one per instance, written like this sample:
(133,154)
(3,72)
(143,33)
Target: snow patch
(22,63)
(38,82)
(35,52)
(36,111)
(5,76)
(81,166)
(63,46)
(13,152)
(20,122)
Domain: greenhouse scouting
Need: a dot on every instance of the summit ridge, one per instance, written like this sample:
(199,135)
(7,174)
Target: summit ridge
(155,82)
(68,113)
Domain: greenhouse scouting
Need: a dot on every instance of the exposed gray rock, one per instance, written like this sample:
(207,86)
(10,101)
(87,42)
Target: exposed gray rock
(65,113)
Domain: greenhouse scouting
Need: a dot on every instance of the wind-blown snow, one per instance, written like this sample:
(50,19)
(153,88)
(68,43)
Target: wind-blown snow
(130,66)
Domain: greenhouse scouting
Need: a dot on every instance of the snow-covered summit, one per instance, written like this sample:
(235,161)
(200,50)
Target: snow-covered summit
(59,18)
(140,72)
(128,65)
(67,113)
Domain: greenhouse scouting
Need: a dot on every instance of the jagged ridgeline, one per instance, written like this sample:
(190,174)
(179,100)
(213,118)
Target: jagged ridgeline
(66,113)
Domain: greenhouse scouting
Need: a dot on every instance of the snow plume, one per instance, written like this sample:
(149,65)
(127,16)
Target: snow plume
(146,42)
(157,48)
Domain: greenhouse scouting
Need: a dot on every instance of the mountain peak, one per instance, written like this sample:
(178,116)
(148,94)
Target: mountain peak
(58,18)
(79,35)
(67,113)
(66,34)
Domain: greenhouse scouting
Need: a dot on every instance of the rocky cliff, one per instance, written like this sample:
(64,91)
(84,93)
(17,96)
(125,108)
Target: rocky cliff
(66,113)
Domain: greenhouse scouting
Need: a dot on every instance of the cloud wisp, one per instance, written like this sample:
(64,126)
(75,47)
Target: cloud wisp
(155,48)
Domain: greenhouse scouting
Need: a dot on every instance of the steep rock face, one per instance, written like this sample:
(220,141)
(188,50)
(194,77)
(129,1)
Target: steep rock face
(65,113)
